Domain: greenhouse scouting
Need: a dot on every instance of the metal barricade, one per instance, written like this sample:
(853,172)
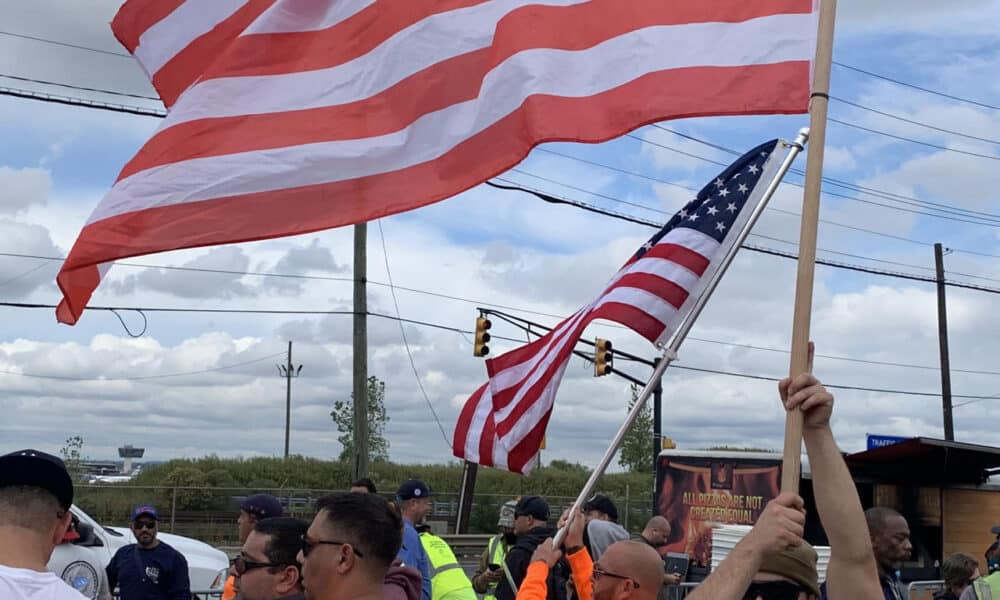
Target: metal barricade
(920,590)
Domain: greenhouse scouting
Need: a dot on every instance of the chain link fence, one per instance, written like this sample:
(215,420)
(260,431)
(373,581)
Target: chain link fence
(209,513)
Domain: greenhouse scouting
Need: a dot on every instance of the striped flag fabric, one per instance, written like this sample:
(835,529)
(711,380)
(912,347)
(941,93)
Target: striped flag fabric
(292,116)
(502,424)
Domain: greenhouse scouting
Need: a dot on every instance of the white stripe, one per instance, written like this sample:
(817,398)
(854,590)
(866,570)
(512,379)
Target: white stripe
(419,46)
(536,411)
(539,71)
(643,300)
(291,16)
(188,22)
(444,36)
(483,409)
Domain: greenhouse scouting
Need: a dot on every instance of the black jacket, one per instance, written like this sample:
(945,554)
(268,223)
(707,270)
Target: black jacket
(945,595)
(518,558)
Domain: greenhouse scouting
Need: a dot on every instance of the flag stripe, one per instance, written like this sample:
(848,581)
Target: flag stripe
(658,297)
(173,75)
(191,20)
(137,16)
(539,389)
(308,15)
(642,322)
(467,423)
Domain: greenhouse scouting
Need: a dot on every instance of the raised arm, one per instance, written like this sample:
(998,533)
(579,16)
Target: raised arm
(851,574)
(779,526)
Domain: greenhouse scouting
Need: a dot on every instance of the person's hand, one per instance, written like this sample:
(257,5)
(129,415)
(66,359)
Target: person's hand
(780,525)
(546,553)
(490,576)
(574,535)
(807,394)
(671,579)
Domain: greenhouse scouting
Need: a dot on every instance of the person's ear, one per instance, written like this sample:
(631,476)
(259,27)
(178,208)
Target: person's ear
(288,580)
(59,530)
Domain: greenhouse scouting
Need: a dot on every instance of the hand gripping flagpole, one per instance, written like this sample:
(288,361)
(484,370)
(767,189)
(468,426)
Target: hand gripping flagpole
(670,353)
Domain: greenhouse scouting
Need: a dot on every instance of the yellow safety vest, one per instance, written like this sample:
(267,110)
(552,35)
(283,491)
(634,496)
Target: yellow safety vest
(448,579)
(988,588)
(497,554)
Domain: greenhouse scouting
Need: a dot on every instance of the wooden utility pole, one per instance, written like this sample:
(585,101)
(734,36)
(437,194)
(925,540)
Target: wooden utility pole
(949,427)
(360,450)
(288,371)
(657,419)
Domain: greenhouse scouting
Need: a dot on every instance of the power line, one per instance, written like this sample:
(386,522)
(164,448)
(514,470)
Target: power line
(141,377)
(78,87)
(913,121)
(406,344)
(457,330)
(67,45)
(911,140)
(916,87)
(71,101)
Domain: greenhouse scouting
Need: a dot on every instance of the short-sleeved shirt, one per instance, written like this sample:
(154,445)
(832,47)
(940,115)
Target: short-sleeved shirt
(25,584)
(159,573)
(412,554)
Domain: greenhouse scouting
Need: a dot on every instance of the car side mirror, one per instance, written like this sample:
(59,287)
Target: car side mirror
(87,536)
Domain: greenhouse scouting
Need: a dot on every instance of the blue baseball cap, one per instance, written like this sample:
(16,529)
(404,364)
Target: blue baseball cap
(145,509)
(262,506)
(413,488)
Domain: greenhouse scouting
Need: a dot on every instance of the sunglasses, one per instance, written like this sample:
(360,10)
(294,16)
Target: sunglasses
(242,565)
(773,590)
(598,572)
(140,525)
(309,545)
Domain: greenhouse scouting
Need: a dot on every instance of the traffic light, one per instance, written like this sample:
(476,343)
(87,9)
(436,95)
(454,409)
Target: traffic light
(603,358)
(480,348)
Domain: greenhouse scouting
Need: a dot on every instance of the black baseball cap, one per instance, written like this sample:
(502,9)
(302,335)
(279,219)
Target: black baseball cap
(602,503)
(413,488)
(532,506)
(262,506)
(996,529)
(37,469)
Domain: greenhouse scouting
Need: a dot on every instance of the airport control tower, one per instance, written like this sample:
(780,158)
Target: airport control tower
(127,453)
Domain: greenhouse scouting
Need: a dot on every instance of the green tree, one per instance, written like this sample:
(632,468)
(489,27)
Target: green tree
(636,453)
(72,455)
(343,416)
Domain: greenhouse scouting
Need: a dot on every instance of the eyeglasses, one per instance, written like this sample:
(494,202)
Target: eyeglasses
(773,590)
(140,525)
(598,572)
(308,546)
(242,565)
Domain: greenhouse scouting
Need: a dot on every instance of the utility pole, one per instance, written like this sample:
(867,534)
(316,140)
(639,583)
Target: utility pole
(949,426)
(657,419)
(288,371)
(360,450)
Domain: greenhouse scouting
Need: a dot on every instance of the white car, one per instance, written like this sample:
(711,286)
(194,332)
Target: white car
(81,562)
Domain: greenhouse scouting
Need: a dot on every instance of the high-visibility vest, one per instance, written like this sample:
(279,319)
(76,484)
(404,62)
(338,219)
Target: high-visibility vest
(498,556)
(448,579)
(988,588)
(229,590)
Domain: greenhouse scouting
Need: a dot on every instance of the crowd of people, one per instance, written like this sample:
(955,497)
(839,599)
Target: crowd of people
(361,546)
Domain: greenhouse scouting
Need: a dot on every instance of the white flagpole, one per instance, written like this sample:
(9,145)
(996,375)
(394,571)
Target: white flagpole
(670,354)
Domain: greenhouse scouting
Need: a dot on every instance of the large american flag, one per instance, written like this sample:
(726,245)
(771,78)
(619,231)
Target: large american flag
(502,424)
(291,116)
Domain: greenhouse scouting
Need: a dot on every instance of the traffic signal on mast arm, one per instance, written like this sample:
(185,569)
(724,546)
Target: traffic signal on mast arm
(603,358)
(479,347)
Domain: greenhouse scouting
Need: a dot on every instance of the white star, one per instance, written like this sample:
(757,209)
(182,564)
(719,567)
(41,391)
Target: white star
(693,217)
(743,188)
(763,153)
(753,169)
(731,207)
(724,192)
(720,226)
(712,210)
(683,213)
(647,246)
(719,183)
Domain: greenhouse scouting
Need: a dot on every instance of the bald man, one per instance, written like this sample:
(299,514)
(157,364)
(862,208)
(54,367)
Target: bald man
(656,534)
(627,570)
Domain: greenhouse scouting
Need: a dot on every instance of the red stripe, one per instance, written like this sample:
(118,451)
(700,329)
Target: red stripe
(136,16)
(465,422)
(680,255)
(630,316)
(765,89)
(447,83)
(486,439)
(354,37)
(188,65)
(671,293)
(524,451)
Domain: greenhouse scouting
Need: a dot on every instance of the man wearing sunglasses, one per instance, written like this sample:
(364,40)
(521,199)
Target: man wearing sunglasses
(267,567)
(773,562)
(148,569)
(348,548)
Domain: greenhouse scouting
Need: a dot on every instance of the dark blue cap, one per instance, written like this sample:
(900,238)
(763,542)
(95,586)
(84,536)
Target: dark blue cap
(262,506)
(145,509)
(532,506)
(413,488)
(37,469)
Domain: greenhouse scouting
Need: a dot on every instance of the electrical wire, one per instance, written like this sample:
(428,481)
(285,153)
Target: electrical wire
(916,87)
(406,344)
(78,87)
(911,140)
(67,45)
(71,101)
(455,329)
(141,377)
(913,121)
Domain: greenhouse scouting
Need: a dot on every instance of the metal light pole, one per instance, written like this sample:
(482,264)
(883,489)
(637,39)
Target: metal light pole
(288,370)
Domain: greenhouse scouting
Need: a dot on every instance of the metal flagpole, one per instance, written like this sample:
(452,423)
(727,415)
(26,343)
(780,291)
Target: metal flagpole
(670,354)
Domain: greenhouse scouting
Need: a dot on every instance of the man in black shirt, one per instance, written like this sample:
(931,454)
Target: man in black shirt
(531,517)
(148,569)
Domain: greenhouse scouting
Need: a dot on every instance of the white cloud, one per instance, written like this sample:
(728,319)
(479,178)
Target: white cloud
(23,188)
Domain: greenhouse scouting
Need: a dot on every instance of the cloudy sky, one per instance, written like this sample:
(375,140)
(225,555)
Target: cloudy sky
(198,383)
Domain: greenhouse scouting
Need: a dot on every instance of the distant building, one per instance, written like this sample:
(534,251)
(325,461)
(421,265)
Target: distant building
(127,453)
